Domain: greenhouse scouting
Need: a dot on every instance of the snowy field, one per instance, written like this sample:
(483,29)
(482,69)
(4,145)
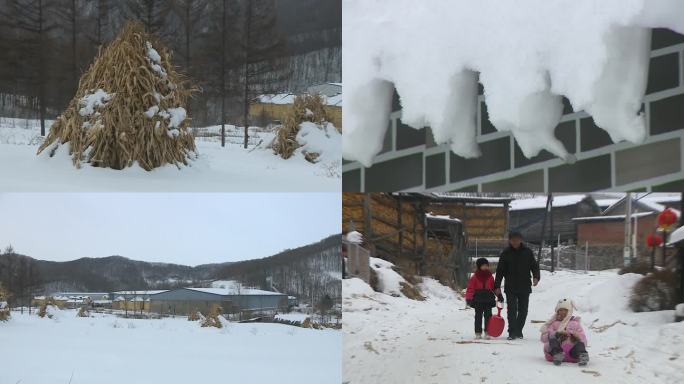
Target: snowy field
(398,340)
(232,168)
(106,349)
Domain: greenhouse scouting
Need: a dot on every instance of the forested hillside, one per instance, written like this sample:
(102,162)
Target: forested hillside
(233,49)
(308,272)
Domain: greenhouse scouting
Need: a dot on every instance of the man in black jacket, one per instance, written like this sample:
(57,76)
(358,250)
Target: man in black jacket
(516,263)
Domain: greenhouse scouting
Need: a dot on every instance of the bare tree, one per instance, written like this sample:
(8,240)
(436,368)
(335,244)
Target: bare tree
(263,47)
(30,19)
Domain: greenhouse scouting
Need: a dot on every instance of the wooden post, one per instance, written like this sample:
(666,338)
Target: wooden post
(367,222)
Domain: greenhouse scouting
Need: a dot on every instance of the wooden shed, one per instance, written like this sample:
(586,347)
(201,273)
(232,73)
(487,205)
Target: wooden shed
(401,228)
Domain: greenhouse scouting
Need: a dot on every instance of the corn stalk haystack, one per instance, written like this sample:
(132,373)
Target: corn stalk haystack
(304,108)
(4,306)
(128,108)
(213,317)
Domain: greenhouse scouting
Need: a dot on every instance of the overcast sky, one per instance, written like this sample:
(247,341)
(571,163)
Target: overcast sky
(190,228)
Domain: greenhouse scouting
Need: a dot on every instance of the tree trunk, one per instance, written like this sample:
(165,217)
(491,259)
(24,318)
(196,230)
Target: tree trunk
(245,112)
(223,75)
(74,66)
(41,71)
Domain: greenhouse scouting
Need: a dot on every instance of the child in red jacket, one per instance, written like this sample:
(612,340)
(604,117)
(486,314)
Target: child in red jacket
(480,295)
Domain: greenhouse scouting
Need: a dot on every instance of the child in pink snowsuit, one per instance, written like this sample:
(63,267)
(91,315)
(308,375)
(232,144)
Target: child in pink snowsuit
(563,336)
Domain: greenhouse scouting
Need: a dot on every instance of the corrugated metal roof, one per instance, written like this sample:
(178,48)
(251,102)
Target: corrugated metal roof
(232,292)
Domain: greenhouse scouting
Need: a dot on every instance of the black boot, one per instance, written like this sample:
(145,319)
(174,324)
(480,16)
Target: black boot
(558,358)
(583,359)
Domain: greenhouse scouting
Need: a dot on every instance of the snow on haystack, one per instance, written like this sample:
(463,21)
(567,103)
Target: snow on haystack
(128,108)
(527,53)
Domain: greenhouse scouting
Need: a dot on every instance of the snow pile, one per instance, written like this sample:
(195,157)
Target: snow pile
(324,140)
(3,304)
(355,237)
(356,287)
(389,281)
(395,339)
(527,53)
(90,102)
(434,290)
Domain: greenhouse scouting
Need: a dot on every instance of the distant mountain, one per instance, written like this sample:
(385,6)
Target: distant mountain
(102,274)
(31,276)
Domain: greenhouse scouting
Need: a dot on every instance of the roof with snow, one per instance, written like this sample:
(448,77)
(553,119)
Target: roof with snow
(677,236)
(232,291)
(288,98)
(539,202)
(457,198)
(144,293)
(441,217)
(611,217)
(649,201)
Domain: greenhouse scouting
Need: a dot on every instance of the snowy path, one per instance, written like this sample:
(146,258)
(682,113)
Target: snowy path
(390,339)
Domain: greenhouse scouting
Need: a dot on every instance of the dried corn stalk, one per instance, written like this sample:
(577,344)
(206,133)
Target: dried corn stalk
(128,108)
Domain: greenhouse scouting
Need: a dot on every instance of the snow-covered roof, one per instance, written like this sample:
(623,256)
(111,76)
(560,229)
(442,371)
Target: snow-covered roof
(102,301)
(651,201)
(151,292)
(292,297)
(232,291)
(288,98)
(611,217)
(677,235)
(441,217)
(606,202)
(540,202)
(119,298)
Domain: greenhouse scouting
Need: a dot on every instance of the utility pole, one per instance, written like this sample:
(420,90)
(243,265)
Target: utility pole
(627,250)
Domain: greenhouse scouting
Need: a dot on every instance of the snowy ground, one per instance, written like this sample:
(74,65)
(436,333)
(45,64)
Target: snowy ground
(106,350)
(398,340)
(217,169)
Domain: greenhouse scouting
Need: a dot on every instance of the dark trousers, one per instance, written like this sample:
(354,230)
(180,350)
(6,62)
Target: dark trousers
(555,347)
(517,311)
(480,311)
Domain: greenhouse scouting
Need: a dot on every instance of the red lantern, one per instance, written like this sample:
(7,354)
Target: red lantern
(666,218)
(654,240)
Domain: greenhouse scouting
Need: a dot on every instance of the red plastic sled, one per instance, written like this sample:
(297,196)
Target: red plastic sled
(496,323)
